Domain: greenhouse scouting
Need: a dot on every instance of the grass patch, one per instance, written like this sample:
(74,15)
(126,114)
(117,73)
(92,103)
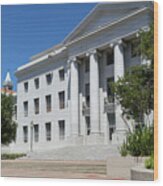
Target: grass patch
(12,156)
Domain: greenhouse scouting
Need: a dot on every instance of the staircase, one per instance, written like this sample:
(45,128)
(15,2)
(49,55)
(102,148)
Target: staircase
(93,152)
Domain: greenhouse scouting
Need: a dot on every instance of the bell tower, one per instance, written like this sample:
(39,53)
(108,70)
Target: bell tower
(7,84)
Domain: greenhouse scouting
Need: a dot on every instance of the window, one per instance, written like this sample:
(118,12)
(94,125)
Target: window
(36,133)
(48,131)
(88,126)
(87,94)
(110,94)
(61,129)
(62,100)
(135,48)
(110,57)
(87,65)
(37,83)
(15,111)
(49,78)
(25,134)
(111,120)
(26,87)
(25,108)
(62,74)
(36,105)
(48,103)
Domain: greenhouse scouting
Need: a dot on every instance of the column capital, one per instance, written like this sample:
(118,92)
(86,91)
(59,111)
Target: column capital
(118,42)
(72,60)
(93,52)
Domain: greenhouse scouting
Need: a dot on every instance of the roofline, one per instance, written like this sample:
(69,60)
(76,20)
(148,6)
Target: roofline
(91,13)
(107,26)
(81,22)
(52,52)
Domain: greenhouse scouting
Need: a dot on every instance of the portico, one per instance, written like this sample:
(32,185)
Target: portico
(91,112)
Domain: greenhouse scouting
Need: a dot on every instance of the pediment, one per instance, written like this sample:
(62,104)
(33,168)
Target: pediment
(102,15)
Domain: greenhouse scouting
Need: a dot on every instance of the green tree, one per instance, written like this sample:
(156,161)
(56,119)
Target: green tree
(8,126)
(135,91)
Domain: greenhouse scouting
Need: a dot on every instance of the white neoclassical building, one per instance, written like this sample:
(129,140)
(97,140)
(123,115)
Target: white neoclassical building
(63,93)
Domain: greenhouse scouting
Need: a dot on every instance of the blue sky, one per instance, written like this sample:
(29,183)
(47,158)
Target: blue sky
(30,29)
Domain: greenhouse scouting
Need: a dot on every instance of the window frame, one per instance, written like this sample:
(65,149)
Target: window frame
(61,95)
(25,108)
(36,110)
(49,78)
(87,65)
(110,57)
(61,124)
(25,134)
(36,135)
(48,104)
(61,74)
(37,83)
(26,86)
(48,131)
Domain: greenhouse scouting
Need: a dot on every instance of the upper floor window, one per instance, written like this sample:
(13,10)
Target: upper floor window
(25,104)
(49,78)
(25,134)
(36,105)
(48,131)
(110,57)
(36,132)
(62,100)
(87,65)
(48,103)
(62,74)
(26,87)
(37,83)
(110,93)
(61,129)
(87,94)
(135,48)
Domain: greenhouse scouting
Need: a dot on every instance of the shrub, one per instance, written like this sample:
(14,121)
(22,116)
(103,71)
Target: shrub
(123,150)
(149,163)
(11,156)
(139,143)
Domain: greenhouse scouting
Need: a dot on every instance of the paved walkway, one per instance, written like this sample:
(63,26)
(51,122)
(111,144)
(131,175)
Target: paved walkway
(72,162)
(54,169)
(119,169)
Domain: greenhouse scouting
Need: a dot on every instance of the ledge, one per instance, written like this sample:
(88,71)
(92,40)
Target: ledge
(142,174)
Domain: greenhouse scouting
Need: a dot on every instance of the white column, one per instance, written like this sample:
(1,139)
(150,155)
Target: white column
(118,60)
(74,97)
(94,92)
(119,72)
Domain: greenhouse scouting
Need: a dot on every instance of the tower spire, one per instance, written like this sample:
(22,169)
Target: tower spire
(7,84)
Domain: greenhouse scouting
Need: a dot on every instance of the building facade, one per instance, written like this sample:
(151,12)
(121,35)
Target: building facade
(63,94)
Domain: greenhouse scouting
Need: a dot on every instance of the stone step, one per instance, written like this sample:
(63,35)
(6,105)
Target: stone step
(76,153)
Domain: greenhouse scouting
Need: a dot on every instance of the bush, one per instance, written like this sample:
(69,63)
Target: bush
(149,163)
(139,143)
(11,156)
(123,150)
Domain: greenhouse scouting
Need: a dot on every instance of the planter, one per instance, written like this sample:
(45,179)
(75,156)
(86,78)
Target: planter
(142,174)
